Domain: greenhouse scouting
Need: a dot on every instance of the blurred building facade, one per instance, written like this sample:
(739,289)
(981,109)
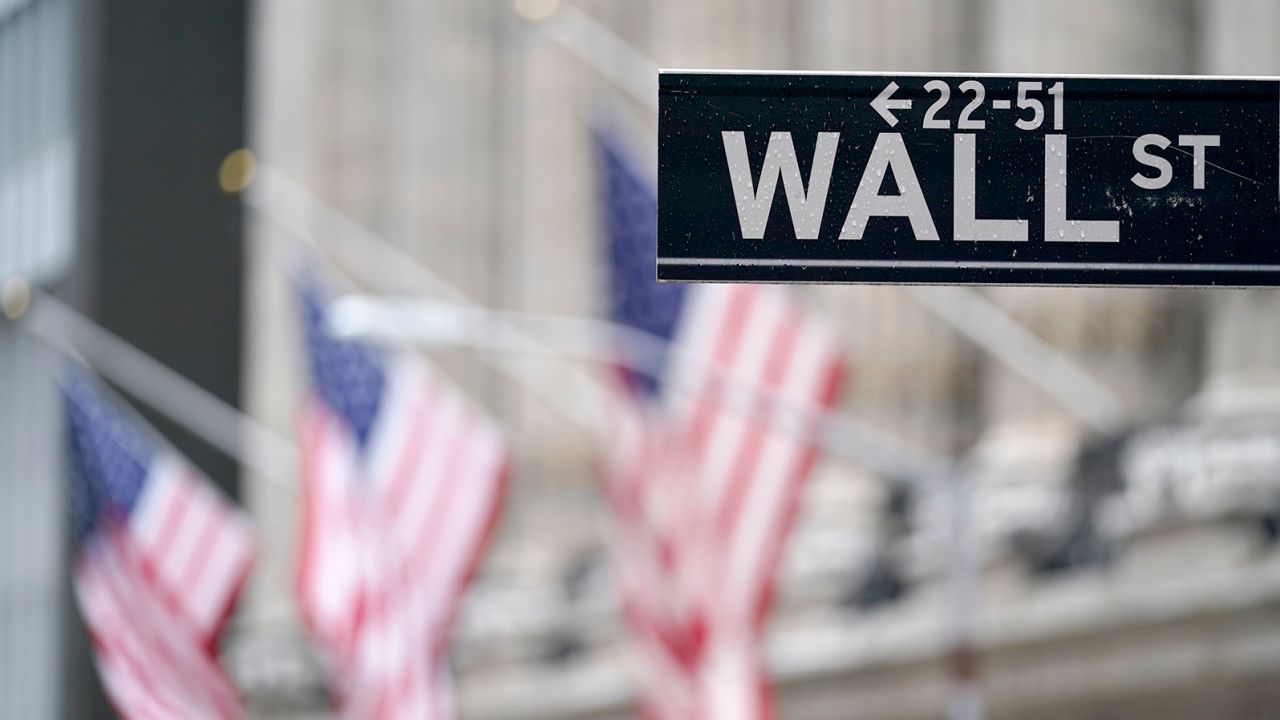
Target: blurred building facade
(461,134)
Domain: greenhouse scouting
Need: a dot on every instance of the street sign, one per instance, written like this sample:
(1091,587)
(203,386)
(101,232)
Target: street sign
(983,179)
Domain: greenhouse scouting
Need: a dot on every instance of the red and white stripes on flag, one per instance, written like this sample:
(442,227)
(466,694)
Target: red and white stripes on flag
(197,547)
(153,662)
(160,557)
(394,522)
(705,489)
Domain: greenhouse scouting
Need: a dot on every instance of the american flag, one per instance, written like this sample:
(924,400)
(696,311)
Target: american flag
(403,479)
(160,557)
(708,459)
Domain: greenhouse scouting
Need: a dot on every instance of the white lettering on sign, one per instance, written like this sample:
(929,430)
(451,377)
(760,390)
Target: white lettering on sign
(807,202)
(1142,153)
(967,224)
(889,153)
(1199,145)
(1057,228)
(884,104)
(755,202)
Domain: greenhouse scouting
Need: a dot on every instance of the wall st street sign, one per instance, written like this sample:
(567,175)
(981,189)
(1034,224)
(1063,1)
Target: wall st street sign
(991,179)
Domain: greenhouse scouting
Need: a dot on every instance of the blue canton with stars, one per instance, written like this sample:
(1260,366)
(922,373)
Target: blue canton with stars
(348,376)
(636,299)
(109,456)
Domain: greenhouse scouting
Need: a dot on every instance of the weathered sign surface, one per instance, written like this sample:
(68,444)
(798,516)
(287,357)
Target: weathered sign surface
(993,179)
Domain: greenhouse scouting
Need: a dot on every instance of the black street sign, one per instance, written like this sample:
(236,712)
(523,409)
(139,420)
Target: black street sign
(990,179)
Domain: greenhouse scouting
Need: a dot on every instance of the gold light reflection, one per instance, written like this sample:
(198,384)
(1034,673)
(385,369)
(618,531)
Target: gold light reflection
(237,171)
(15,298)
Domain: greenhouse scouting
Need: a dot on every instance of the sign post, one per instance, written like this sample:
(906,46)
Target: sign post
(947,179)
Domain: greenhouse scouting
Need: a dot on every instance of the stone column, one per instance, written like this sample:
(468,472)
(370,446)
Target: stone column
(1127,338)
(1242,338)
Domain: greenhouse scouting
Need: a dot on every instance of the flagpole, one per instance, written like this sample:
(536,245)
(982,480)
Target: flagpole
(964,694)
(234,433)
(430,322)
(379,263)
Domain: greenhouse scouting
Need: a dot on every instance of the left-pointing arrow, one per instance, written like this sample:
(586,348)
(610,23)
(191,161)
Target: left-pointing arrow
(885,104)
